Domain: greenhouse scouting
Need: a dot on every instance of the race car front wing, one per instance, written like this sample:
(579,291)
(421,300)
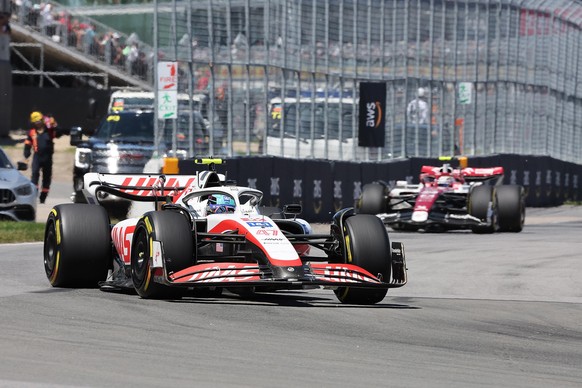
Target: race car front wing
(450,219)
(309,275)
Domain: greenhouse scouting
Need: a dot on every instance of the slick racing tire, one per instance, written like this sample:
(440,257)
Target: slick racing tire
(367,246)
(510,208)
(77,245)
(483,205)
(173,230)
(373,199)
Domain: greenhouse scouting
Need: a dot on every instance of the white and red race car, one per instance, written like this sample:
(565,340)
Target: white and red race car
(448,198)
(209,234)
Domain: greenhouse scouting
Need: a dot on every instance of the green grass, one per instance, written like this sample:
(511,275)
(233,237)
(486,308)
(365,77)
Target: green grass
(15,232)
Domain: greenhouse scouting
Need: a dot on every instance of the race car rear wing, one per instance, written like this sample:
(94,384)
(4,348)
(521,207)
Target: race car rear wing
(135,187)
(483,174)
(470,174)
(151,187)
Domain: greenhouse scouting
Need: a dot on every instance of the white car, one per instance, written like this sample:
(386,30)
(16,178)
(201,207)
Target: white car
(209,234)
(18,195)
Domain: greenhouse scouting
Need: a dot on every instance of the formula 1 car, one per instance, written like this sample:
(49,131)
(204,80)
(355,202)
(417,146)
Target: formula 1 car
(208,234)
(448,198)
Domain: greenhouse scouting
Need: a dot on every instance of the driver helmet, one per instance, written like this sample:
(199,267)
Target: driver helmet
(426,178)
(220,203)
(445,181)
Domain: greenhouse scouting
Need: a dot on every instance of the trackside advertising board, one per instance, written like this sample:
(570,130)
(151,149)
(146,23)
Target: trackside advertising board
(372,114)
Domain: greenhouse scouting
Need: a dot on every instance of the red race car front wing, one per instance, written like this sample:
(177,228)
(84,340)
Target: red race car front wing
(231,274)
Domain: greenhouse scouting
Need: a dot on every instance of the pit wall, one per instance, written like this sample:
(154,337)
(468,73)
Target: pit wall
(323,187)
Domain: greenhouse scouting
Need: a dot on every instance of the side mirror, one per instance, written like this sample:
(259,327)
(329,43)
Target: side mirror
(292,209)
(21,166)
(76,134)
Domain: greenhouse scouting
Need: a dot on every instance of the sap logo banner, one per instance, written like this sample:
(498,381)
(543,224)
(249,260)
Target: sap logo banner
(372,114)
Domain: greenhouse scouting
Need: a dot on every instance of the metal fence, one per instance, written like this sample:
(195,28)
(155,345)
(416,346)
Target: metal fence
(281,77)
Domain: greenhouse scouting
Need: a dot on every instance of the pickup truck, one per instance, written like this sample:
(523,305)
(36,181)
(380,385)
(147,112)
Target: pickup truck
(124,143)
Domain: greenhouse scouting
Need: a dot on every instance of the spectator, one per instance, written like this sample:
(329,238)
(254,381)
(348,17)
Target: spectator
(417,130)
(202,80)
(200,134)
(417,110)
(63,27)
(90,41)
(131,53)
(78,30)
(47,21)
(116,48)
(140,66)
(220,126)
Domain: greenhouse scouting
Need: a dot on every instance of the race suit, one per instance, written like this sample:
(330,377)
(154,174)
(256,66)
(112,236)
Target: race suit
(41,143)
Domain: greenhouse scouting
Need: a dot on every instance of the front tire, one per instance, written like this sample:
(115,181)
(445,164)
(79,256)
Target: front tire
(173,230)
(77,245)
(367,246)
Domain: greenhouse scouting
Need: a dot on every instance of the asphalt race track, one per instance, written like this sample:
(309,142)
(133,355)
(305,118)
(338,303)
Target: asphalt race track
(499,310)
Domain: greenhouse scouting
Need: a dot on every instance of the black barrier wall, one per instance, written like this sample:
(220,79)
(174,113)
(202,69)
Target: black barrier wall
(70,106)
(324,187)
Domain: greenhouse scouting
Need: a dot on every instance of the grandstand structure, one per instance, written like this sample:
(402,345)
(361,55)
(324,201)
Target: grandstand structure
(501,76)
(282,76)
(53,48)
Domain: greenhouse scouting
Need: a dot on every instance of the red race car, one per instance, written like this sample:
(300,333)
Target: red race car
(209,234)
(448,198)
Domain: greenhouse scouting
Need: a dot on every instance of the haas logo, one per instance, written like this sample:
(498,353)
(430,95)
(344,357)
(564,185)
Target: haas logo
(122,237)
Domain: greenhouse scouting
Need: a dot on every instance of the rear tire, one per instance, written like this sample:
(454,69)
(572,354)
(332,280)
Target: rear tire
(373,199)
(482,205)
(77,245)
(173,230)
(510,208)
(367,246)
